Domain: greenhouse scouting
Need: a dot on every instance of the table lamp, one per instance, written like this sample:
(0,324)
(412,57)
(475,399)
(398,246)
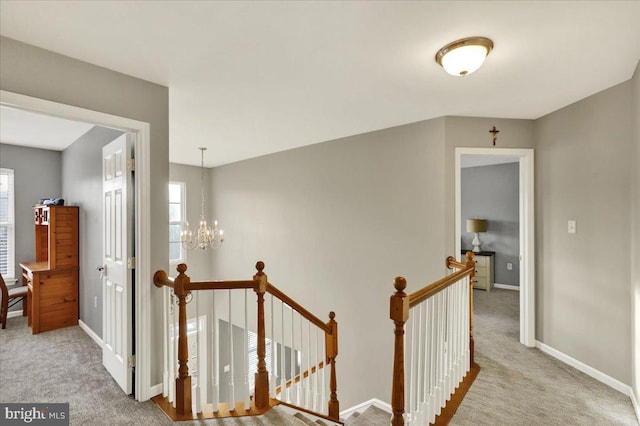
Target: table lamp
(476,226)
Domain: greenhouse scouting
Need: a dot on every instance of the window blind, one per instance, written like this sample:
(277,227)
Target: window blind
(7,225)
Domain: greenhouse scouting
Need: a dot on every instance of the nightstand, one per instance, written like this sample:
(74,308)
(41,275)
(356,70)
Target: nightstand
(485,266)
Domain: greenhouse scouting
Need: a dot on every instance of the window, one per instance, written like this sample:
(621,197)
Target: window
(176,215)
(7,225)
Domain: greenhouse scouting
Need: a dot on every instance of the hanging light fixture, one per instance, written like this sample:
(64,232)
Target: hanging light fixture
(464,56)
(204,236)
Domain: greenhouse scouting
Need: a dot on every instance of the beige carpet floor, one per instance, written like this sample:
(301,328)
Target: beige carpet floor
(524,386)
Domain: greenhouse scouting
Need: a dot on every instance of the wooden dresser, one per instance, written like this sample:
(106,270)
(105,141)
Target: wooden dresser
(485,266)
(53,277)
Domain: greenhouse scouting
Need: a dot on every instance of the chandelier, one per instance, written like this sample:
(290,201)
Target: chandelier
(204,237)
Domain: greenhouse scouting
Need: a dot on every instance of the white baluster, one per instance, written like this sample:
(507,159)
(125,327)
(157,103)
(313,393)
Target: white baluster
(215,356)
(433,310)
(198,395)
(421,351)
(413,360)
(317,373)
(308,402)
(272,372)
(283,376)
(301,399)
(323,401)
(438,352)
(175,330)
(293,361)
(426,360)
(232,379)
(166,342)
(245,375)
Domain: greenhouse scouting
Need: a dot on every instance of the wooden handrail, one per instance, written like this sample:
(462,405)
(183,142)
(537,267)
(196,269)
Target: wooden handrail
(298,308)
(297,379)
(436,287)
(221,285)
(453,263)
(160,278)
(465,269)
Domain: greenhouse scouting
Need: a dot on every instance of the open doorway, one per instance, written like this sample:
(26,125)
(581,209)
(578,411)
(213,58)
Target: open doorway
(526,254)
(141,323)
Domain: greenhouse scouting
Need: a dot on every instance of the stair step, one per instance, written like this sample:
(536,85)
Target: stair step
(372,416)
(304,419)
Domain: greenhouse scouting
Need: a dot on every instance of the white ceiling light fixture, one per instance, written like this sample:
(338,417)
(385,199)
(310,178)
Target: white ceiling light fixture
(204,237)
(464,56)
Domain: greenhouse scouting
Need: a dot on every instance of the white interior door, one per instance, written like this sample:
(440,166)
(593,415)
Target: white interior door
(117,287)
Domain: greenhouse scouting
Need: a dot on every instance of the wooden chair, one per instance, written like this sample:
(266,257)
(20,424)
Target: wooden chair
(12,296)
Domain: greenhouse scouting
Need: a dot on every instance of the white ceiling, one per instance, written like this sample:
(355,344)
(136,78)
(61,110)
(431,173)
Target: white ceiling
(251,78)
(19,127)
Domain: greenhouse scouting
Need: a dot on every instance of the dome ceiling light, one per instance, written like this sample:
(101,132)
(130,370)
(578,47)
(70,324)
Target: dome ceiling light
(464,56)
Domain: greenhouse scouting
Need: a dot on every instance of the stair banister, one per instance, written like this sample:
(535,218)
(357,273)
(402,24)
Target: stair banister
(180,287)
(400,306)
(262,376)
(183,287)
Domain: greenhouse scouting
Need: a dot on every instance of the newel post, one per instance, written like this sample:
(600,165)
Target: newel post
(470,263)
(261,394)
(183,381)
(399,314)
(331,344)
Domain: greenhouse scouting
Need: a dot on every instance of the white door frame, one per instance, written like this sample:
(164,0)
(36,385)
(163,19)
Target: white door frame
(142,148)
(527,230)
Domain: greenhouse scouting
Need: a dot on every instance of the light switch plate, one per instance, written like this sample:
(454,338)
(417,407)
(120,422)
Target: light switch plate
(509,266)
(571,228)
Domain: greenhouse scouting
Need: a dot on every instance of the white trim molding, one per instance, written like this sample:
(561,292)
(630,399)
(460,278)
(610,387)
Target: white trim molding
(588,370)
(360,408)
(507,286)
(527,229)
(636,405)
(91,333)
(155,390)
(13,314)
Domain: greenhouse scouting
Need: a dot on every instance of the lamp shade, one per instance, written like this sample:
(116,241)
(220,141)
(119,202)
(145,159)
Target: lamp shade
(476,225)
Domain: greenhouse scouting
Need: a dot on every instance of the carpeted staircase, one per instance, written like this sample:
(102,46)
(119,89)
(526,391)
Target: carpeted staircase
(282,416)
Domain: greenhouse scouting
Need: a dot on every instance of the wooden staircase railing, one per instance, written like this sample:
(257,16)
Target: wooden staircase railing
(182,288)
(442,345)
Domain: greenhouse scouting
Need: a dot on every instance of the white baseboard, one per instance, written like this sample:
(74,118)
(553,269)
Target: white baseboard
(12,314)
(360,408)
(636,405)
(507,286)
(579,365)
(155,390)
(91,333)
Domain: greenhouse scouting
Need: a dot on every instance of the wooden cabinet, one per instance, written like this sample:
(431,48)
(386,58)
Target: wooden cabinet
(53,277)
(485,266)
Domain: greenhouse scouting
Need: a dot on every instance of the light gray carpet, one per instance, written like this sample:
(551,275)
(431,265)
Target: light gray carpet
(524,386)
(516,386)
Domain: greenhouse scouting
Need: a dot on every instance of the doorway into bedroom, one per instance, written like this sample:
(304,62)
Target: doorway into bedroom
(495,219)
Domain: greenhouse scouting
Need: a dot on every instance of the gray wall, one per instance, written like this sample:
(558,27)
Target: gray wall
(36,72)
(82,186)
(36,176)
(583,172)
(493,193)
(198,261)
(635,239)
(335,223)
(473,132)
